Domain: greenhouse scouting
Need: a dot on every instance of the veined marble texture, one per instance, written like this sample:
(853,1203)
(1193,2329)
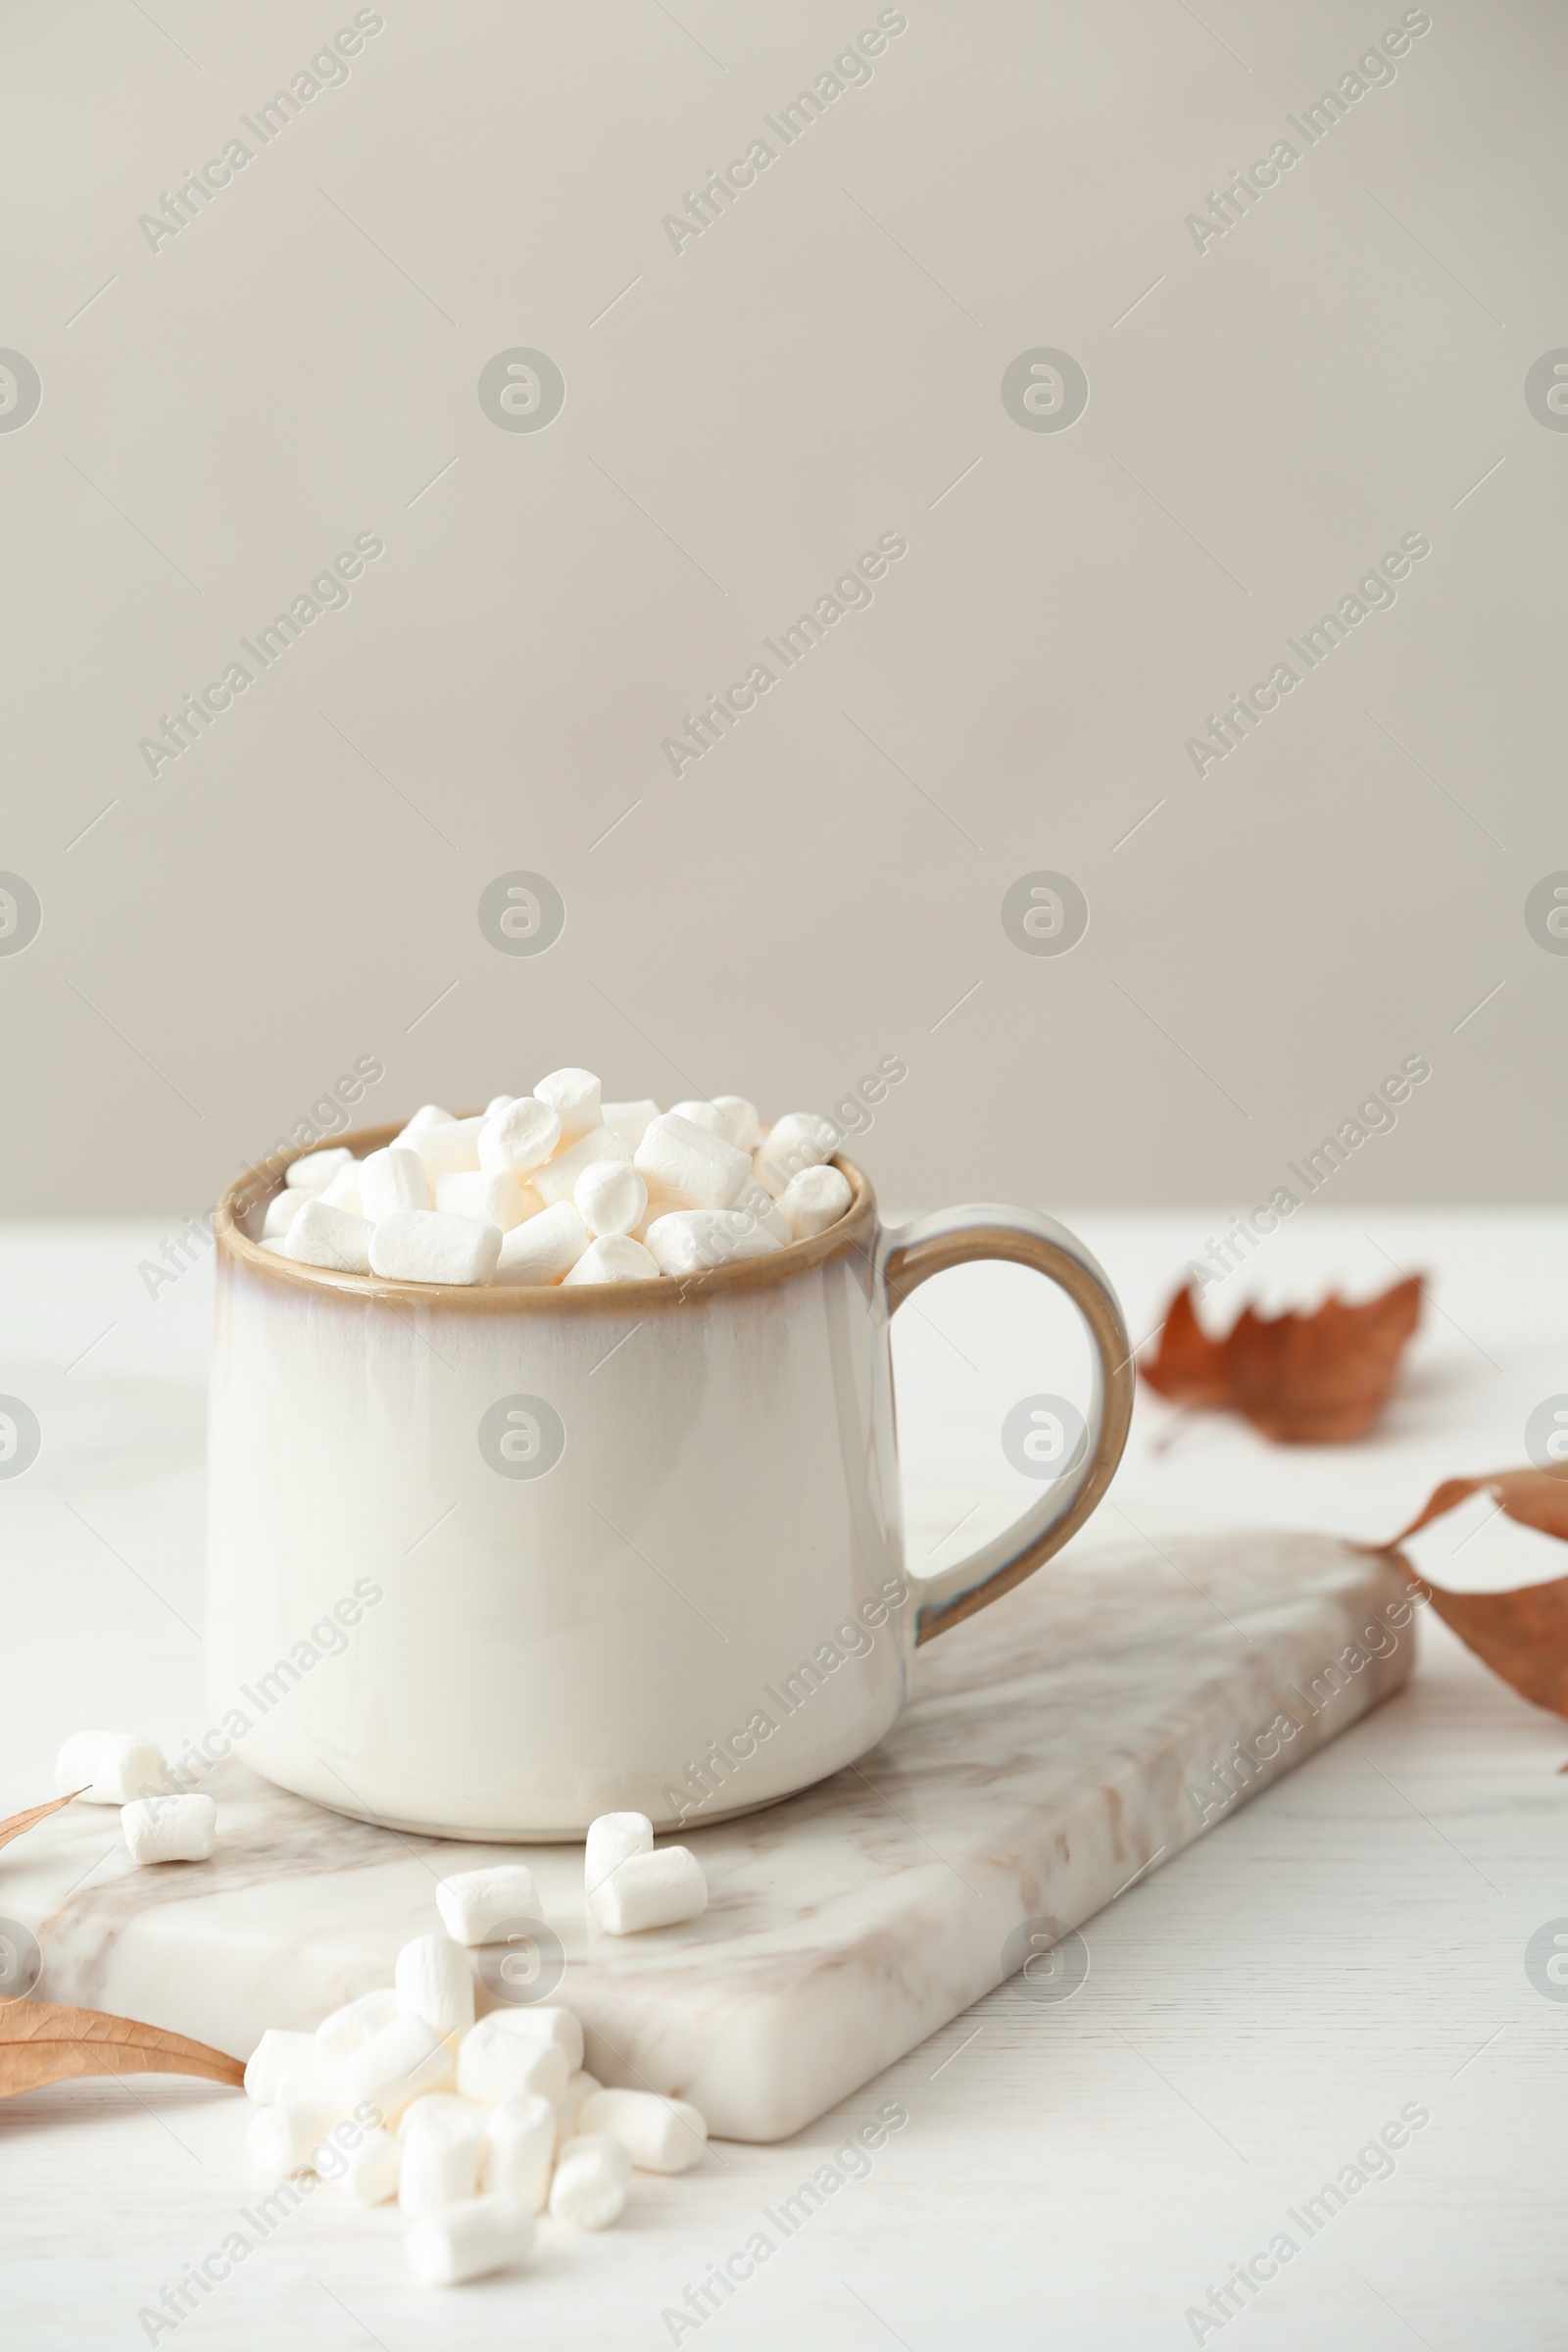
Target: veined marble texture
(1084,1730)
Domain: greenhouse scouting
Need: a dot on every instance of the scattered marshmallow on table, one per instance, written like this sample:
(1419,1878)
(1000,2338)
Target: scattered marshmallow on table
(472,1903)
(442,2144)
(393,1179)
(617,1257)
(592,2177)
(543,1249)
(649,1890)
(110,1768)
(612,1839)
(580,2088)
(434,1980)
(368,2171)
(498,2061)
(169,1829)
(610,1196)
(519,2150)
(350,2027)
(283,2140)
(416,1244)
(274,2055)
(401,2063)
(659,2135)
(325,1236)
(472,2240)
(814,1200)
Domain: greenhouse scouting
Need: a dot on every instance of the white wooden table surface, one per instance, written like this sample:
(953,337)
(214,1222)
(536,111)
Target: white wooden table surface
(1349,1949)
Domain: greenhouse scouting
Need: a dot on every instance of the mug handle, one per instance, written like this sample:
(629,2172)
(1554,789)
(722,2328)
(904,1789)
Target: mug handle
(909,1255)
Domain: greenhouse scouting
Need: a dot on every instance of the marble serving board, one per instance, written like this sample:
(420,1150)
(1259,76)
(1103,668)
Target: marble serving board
(1079,1733)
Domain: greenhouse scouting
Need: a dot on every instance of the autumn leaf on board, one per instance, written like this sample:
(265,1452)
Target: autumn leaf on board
(1316,1379)
(41,2045)
(1521,1635)
(24,1821)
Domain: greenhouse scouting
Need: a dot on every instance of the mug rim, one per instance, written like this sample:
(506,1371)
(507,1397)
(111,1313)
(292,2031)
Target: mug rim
(854,1231)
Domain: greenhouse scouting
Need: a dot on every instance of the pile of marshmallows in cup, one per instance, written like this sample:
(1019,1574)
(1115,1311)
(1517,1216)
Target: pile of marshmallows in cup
(560,1187)
(473,2128)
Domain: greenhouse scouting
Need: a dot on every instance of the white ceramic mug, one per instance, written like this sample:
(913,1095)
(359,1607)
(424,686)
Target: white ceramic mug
(488,1562)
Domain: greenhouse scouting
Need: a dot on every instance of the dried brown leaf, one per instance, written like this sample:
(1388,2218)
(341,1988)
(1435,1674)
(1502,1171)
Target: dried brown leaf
(1521,1634)
(1319,1379)
(24,1821)
(41,2045)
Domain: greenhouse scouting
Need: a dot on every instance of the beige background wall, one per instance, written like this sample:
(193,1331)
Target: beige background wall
(823,365)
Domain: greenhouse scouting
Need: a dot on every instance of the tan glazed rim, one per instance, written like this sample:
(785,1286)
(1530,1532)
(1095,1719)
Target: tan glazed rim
(855,1230)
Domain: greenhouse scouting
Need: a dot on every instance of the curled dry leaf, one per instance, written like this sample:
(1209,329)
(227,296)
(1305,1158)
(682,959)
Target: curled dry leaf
(40,2044)
(1319,1379)
(1522,1635)
(24,1821)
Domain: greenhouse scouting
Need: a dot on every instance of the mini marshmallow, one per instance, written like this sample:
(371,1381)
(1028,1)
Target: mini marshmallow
(496,2062)
(558,1178)
(110,1768)
(799,1140)
(441,2152)
(282,2141)
(660,2136)
(282,1211)
(393,1179)
(350,2027)
(611,1197)
(519,2150)
(745,1128)
(428,1114)
(650,1891)
(573,1097)
(703,1114)
(520,1137)
(368,2173)
(755,1201)
(434,1982)
(496,1198)
(448,1149)
(316,1170)
(629,1120)
(592,2177)
(580,2088)
(344,1190)
(814,1200)
(419,1245)
(474,1902)
(544,1248)
(685,1241)
(272,2058)
(311,2083)
(689,1167)
(541,2021)
(612,1840)
(498,1102)
(472,2240)
(399,2064)
(614,1259)
(169,1829)
(322,1235)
